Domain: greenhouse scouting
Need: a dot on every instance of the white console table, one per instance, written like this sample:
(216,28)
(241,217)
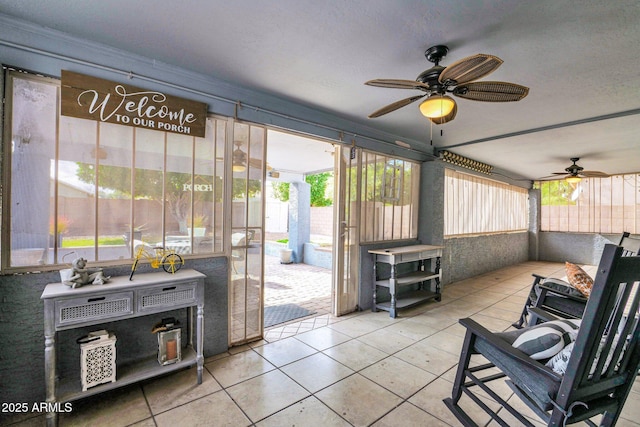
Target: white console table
(119,299)
(428,270)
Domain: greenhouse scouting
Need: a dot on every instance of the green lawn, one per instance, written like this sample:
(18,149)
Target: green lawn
(73,242)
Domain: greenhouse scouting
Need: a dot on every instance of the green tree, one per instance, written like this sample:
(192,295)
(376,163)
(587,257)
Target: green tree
(242,188)
(555,193)
(318,183)
(281,191)
(148,184)
(374,179)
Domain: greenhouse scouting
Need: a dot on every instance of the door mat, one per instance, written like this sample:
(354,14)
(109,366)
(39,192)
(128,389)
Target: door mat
(283,313)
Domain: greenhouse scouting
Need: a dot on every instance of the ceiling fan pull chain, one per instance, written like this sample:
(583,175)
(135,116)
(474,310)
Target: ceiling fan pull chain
(431,132)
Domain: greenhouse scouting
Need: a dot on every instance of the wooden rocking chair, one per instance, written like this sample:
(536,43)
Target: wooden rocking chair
(601,367)
(556,297)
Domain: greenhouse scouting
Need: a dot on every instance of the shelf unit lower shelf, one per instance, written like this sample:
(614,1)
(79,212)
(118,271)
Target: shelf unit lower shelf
(409,279)
(69,390)
(409,299)
(425,276)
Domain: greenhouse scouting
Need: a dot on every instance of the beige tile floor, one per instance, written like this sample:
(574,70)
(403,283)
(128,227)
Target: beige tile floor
(364,369)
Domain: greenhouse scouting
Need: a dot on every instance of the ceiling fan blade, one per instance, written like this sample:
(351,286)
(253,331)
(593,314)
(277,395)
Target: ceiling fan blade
(583,174)
(392,107)
(470,68)
(594,174)
(398,84)
(491,91)
(547,178)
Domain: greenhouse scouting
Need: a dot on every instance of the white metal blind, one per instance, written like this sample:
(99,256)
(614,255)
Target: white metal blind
(476,205)
(594,205)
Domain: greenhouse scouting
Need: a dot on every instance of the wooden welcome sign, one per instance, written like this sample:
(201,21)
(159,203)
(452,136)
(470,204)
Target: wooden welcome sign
(92,98)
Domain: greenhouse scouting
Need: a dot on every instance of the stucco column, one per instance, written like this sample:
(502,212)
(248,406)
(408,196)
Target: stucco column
(299,218)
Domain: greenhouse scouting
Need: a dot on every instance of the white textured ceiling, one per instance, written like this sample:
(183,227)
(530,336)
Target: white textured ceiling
(580,60)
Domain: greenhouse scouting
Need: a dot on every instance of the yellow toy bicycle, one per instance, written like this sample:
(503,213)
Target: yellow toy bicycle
(167,258)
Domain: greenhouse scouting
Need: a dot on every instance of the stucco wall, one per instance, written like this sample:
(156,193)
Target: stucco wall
(22,323)
(470,256)
(580,248)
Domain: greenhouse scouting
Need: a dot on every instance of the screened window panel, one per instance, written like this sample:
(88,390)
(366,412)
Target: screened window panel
(476,205)
(388,198)
(246,232)
(220,145)
(148,180)
(33,127)
(608,205)
(207,187)
(113,160)
(84,188)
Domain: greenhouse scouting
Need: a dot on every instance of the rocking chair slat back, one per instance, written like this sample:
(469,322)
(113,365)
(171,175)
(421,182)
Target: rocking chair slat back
(602,365)
(611,316)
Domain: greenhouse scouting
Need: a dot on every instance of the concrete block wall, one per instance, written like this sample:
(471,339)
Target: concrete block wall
(322,220)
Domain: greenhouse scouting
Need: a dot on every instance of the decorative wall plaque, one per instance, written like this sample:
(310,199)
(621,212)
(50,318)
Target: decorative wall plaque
(93,98)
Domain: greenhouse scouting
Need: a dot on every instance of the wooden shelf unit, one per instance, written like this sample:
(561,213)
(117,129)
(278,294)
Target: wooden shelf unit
(427,273)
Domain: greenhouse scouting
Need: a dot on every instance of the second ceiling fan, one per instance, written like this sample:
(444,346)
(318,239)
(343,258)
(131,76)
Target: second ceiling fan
(575,172)
(456,79)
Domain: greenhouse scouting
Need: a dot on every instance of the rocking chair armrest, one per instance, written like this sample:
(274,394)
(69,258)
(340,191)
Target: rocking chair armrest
(543,315)
(558,291)
(504,347)
(537,278)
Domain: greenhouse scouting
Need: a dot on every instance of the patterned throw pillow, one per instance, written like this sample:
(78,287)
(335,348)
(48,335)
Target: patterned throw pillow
(545,340)
(579,279)
(560,361)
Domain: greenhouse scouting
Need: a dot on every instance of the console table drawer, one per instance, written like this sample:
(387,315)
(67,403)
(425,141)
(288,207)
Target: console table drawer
(92,308)
(168,295)
(413,256)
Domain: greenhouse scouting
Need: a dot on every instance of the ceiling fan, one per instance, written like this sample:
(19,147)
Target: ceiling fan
(575,173)
(457,79)
(240,160)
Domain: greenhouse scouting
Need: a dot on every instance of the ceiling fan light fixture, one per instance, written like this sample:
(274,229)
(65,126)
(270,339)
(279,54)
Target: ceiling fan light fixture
(573,179)
(239,168)
(447,118)
(437,106)
(239,159)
